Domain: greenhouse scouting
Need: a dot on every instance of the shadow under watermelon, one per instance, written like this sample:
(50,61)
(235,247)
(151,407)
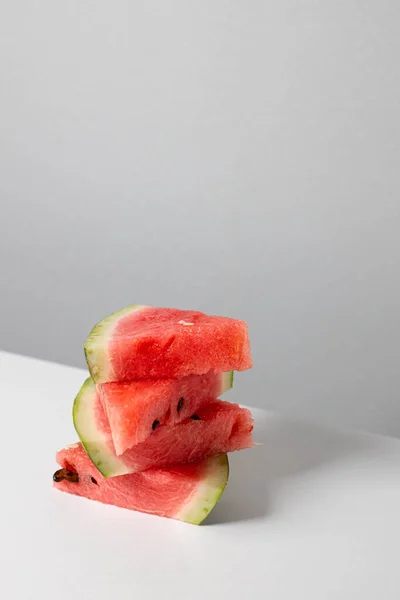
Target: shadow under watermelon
(285,449)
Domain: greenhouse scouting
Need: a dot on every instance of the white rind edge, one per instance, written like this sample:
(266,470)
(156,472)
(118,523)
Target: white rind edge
(93,439)
(208,493)
(100,368)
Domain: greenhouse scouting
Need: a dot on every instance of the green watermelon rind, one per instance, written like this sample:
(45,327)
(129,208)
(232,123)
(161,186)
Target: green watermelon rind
(208,494)
(227,381)
(93,440)
(95,348)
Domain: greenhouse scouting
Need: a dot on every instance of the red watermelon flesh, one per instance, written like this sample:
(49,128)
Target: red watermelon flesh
(142,342)
(217,427)
(135,408)
(185,492)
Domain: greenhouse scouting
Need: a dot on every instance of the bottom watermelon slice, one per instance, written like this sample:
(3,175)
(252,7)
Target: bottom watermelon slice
(217,427)
(184,492)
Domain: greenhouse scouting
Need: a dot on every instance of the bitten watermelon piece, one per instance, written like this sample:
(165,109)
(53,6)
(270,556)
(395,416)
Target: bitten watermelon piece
(217,427)
(185,492)
(142,342)
(134,409)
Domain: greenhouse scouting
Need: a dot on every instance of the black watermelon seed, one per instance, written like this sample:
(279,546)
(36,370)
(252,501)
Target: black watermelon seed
(72,476)
(195,418)
(58,475)
(94,481)
(62,474)
(180,404)
(155,424)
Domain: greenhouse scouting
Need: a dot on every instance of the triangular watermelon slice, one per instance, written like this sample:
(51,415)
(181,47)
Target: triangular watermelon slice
(217,427)
(185,492)
(142,342)
(135,409)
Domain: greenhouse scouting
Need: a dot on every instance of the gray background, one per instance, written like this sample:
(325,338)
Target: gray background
(240,158)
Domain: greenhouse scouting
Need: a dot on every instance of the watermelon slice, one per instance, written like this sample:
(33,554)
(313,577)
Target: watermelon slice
(217,427)
(134,409)
(142,342)
(185,492)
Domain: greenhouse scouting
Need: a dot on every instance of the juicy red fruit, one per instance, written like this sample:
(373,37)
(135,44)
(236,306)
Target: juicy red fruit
(163,492)
(156,343)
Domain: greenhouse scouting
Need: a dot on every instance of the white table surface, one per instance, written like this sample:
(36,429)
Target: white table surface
(311,513)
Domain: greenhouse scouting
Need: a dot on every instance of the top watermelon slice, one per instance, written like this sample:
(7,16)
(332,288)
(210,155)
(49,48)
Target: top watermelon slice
(142,342)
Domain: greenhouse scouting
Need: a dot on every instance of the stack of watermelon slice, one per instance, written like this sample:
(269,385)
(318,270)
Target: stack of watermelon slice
(153,435)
